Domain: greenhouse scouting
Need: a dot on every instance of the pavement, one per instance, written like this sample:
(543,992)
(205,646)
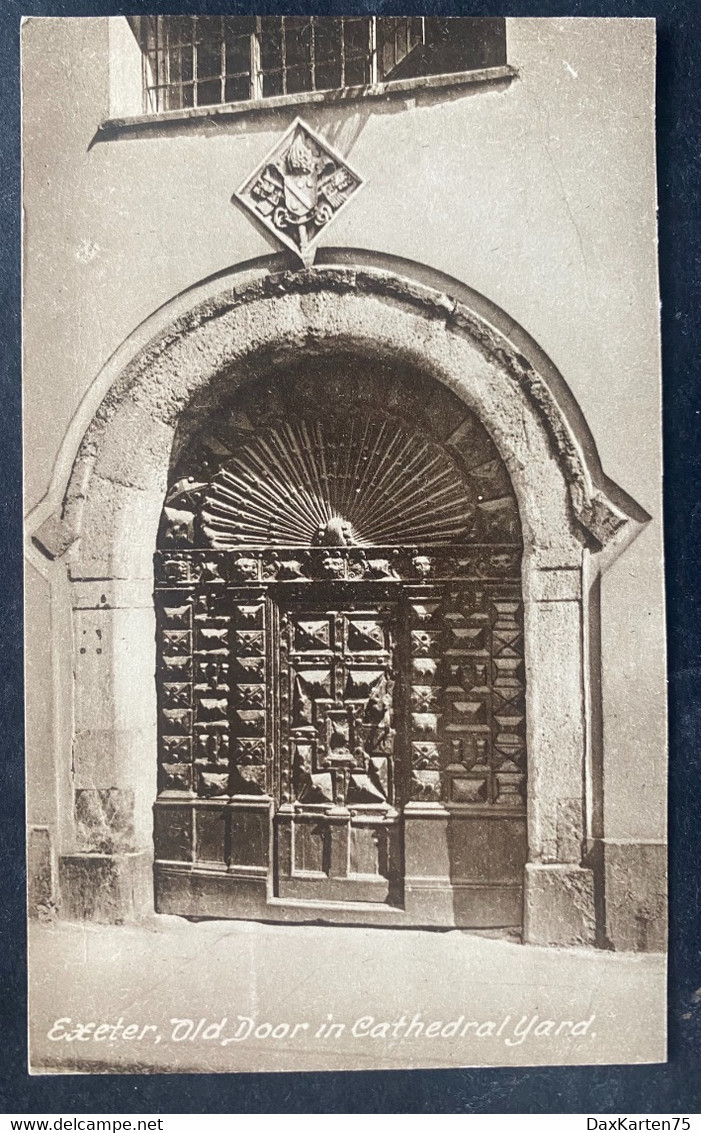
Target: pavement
(173,996)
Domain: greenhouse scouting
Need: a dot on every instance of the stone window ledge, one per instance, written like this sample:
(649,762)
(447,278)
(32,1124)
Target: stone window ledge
(156,122)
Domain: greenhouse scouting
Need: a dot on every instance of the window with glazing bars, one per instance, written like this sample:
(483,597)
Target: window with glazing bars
(207,60)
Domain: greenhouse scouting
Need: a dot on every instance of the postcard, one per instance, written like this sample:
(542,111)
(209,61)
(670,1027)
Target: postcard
(345,642)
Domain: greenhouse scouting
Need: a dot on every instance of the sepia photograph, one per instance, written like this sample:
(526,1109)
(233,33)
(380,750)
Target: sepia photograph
(345,684)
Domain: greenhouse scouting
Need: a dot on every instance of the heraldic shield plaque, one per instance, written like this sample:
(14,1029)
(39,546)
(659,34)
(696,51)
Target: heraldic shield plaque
(299,188)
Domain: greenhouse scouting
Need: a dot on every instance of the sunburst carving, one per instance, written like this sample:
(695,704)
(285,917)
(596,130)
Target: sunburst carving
(357,481)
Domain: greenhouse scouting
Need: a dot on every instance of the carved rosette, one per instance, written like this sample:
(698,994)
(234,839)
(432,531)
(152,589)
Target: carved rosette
(508,702)
(211,690)
(467,729)
(249,693)
(174,629)
(342,564)
(337,707)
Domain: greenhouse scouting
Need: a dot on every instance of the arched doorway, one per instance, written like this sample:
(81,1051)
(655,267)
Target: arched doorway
(340,656)
(177,373)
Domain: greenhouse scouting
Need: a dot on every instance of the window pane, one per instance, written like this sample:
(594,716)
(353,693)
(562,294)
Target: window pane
(186,61)
(176,71)
(238,26)
(400,47)
(464,44)
(238,54)
(272,84)
(357,35)
(356,72)
(237,89)
(209,93)
(298,79)
(328,75)
(208,60)
(327,40)
(177,98)
(180,65)
(271,44)
(415,31)
(298,41)
(209,28)
(179,29)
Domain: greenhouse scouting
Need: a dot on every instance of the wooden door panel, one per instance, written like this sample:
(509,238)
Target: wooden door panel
(296,722)
(337,741)
(336,857)
(336,704)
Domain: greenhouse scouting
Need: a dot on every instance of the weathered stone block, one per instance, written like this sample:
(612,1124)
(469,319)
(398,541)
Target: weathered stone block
(40,874)
(570,830)
(110,675)
(106,888)
(104,820)
(559,905)
(635,886)
(555,723)
(118,531)
(112,594)
(555,585)
(135,449)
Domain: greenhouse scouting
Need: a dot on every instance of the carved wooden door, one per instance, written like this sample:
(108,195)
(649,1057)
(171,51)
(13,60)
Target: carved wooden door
(336,833)
(341,679)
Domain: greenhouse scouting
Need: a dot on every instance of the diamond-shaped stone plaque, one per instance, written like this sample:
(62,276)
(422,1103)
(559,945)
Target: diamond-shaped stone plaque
(299,187)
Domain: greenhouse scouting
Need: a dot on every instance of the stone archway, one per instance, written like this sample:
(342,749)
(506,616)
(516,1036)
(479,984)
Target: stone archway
(112,511)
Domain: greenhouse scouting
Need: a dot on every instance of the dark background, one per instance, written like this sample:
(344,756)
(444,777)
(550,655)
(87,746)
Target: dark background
(671,1088)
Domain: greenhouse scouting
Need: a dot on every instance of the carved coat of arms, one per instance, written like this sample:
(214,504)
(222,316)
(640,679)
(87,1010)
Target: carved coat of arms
(299,188)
